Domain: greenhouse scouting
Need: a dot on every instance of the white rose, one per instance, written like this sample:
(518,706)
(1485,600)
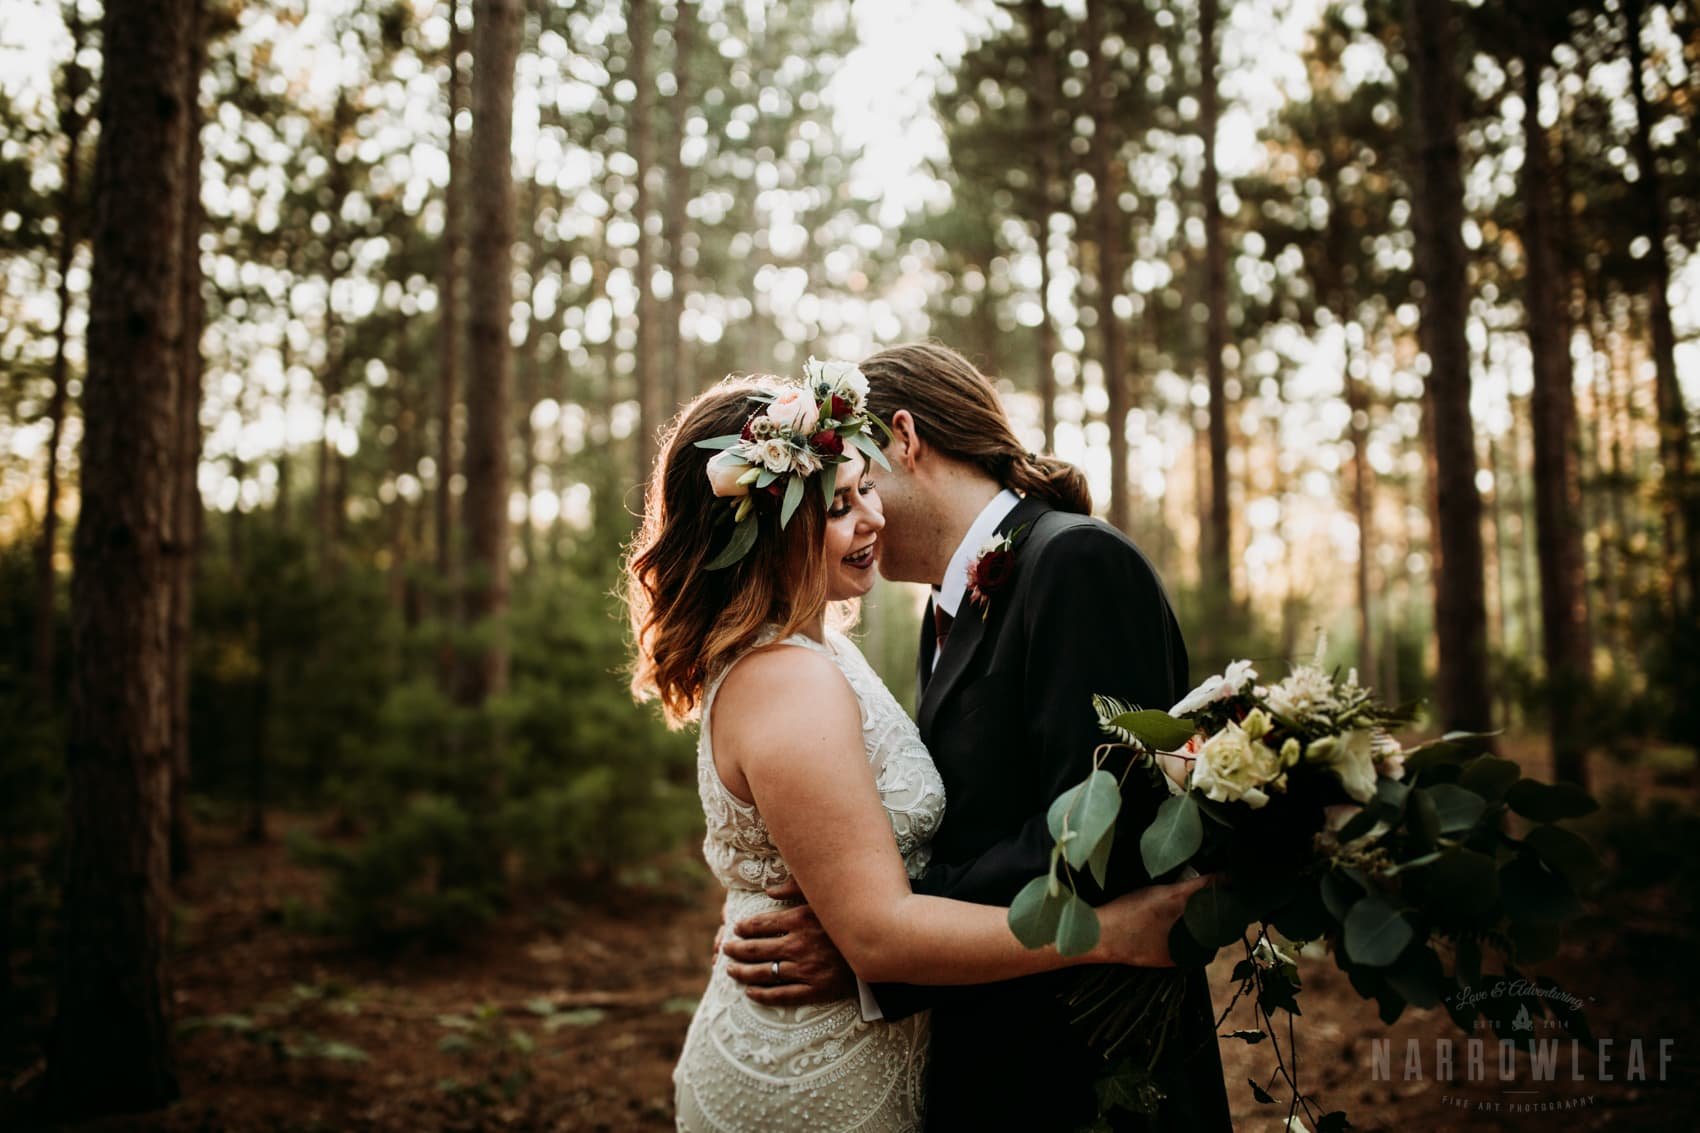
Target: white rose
(774,454)
(724,471)
(1220,687)
(805,462)
(1231,765)
(1351,756)
(795,409)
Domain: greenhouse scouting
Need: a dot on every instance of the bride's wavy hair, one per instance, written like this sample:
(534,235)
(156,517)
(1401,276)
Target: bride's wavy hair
(688,622)
(957,411)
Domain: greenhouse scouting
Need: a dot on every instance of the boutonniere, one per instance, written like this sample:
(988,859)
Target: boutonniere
(991,569)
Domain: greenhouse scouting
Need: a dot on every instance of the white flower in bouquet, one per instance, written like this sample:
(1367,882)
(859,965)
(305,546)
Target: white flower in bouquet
(1306,692)
(795,409)
(1351,756)
(726,474)
(1220,687)
(805,461)
(1233,765)
(1389,755)
(844,379)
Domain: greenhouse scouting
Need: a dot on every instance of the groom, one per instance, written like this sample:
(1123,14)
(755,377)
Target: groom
(1006,710)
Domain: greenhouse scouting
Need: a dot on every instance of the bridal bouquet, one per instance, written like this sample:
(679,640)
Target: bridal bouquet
(1400,863)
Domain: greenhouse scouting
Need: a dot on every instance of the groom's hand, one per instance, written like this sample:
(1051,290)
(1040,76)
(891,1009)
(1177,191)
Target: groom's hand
(811,970)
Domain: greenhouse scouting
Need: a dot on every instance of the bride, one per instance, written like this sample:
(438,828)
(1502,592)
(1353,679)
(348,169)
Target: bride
(758,520)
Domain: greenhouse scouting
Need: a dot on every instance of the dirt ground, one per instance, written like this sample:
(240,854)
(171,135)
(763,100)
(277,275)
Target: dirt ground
(568,1016)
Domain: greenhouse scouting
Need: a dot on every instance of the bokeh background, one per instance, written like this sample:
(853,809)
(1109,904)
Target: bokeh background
(1377,325)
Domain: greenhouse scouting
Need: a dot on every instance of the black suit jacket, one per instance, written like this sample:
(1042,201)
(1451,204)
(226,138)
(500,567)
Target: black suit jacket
(1008,718)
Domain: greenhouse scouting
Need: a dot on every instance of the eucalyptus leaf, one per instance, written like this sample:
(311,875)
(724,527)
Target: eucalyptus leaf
(1077,927)
(1173,836)
(1099,861)
(1549,802)
(1089,809)
(1567,854)
(1375,932)
(1490,776)
(1456,809)
(743,538)
(1034,913)
(1216,916)
(1534,893)
(793,497)
(718,443)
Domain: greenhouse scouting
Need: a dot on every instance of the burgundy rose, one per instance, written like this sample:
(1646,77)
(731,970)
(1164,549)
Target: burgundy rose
(776,488)
(748,433)
(827,442)
(840,409)
(990,574)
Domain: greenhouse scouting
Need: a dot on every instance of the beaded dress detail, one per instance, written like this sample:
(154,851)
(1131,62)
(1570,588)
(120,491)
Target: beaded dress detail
(746,1066)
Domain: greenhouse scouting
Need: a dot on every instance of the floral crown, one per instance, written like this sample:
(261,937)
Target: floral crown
(803,430)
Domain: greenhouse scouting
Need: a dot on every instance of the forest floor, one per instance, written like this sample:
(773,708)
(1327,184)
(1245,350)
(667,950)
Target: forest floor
(569,1015)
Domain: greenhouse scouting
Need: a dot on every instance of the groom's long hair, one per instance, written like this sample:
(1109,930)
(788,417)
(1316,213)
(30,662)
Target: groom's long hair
(957,411)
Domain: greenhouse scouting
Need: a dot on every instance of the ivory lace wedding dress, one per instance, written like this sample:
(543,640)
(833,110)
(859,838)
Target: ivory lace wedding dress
(746,1066)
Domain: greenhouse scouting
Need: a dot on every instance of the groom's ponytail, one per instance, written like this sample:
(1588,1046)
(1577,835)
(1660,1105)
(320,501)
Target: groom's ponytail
(956,410)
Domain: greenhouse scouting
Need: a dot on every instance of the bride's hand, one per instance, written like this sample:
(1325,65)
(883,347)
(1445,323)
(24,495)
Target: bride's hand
(1135,927)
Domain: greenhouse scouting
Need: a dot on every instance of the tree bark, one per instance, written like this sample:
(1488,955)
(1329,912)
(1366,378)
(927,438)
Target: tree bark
(681,382)
(330,511)
(111,1048)
(448,331)
(1217,573)
(641,30)
(186,513)
(70,234)
(495,32)
(1108,220)
(1044,95)
(1558,493)
(1438,214)
(1680,502)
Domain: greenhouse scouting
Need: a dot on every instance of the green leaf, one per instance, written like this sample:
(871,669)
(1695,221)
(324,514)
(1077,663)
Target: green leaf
(743,538)
(1455,808)
(1155,729)
(1417,975)
(1215,915)
(1566,853)
(1534,893)
(866,444)
(725,442)
(1376,932)
(1422,819)
(1077,927)
(766,477)
(1390,793)
(1359,824)
(1340,892)
(1099,862)
(1490,776)
(1089,809)
(1549,802)
(1461,887)
(793,497)
(580,1017)
(1304,917)
(1173,836)
(1034,914)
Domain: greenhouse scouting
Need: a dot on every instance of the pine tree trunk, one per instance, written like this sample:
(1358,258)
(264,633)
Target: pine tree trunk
(1044,96)
(681,382)
(1217,573)
(330,510)
(1108,222)
(186,513)
(1558,495)
(640,27)
(448,337)
(1680,502)
(70,233)
(111,1048)
(495,32)
(1438,214)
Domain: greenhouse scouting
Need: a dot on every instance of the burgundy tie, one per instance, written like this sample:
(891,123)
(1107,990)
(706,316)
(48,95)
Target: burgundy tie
(941,628)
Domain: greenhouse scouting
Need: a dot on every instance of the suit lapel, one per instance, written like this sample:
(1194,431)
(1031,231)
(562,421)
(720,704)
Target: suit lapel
(924,656)
(968,631)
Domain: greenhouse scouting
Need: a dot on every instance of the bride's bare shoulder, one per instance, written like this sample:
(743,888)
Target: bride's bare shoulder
(783,681)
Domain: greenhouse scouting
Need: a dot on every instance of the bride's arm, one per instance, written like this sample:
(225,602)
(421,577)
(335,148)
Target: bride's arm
(789,732)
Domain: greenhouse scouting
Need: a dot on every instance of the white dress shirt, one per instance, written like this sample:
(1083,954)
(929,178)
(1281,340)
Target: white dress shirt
(949,594)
